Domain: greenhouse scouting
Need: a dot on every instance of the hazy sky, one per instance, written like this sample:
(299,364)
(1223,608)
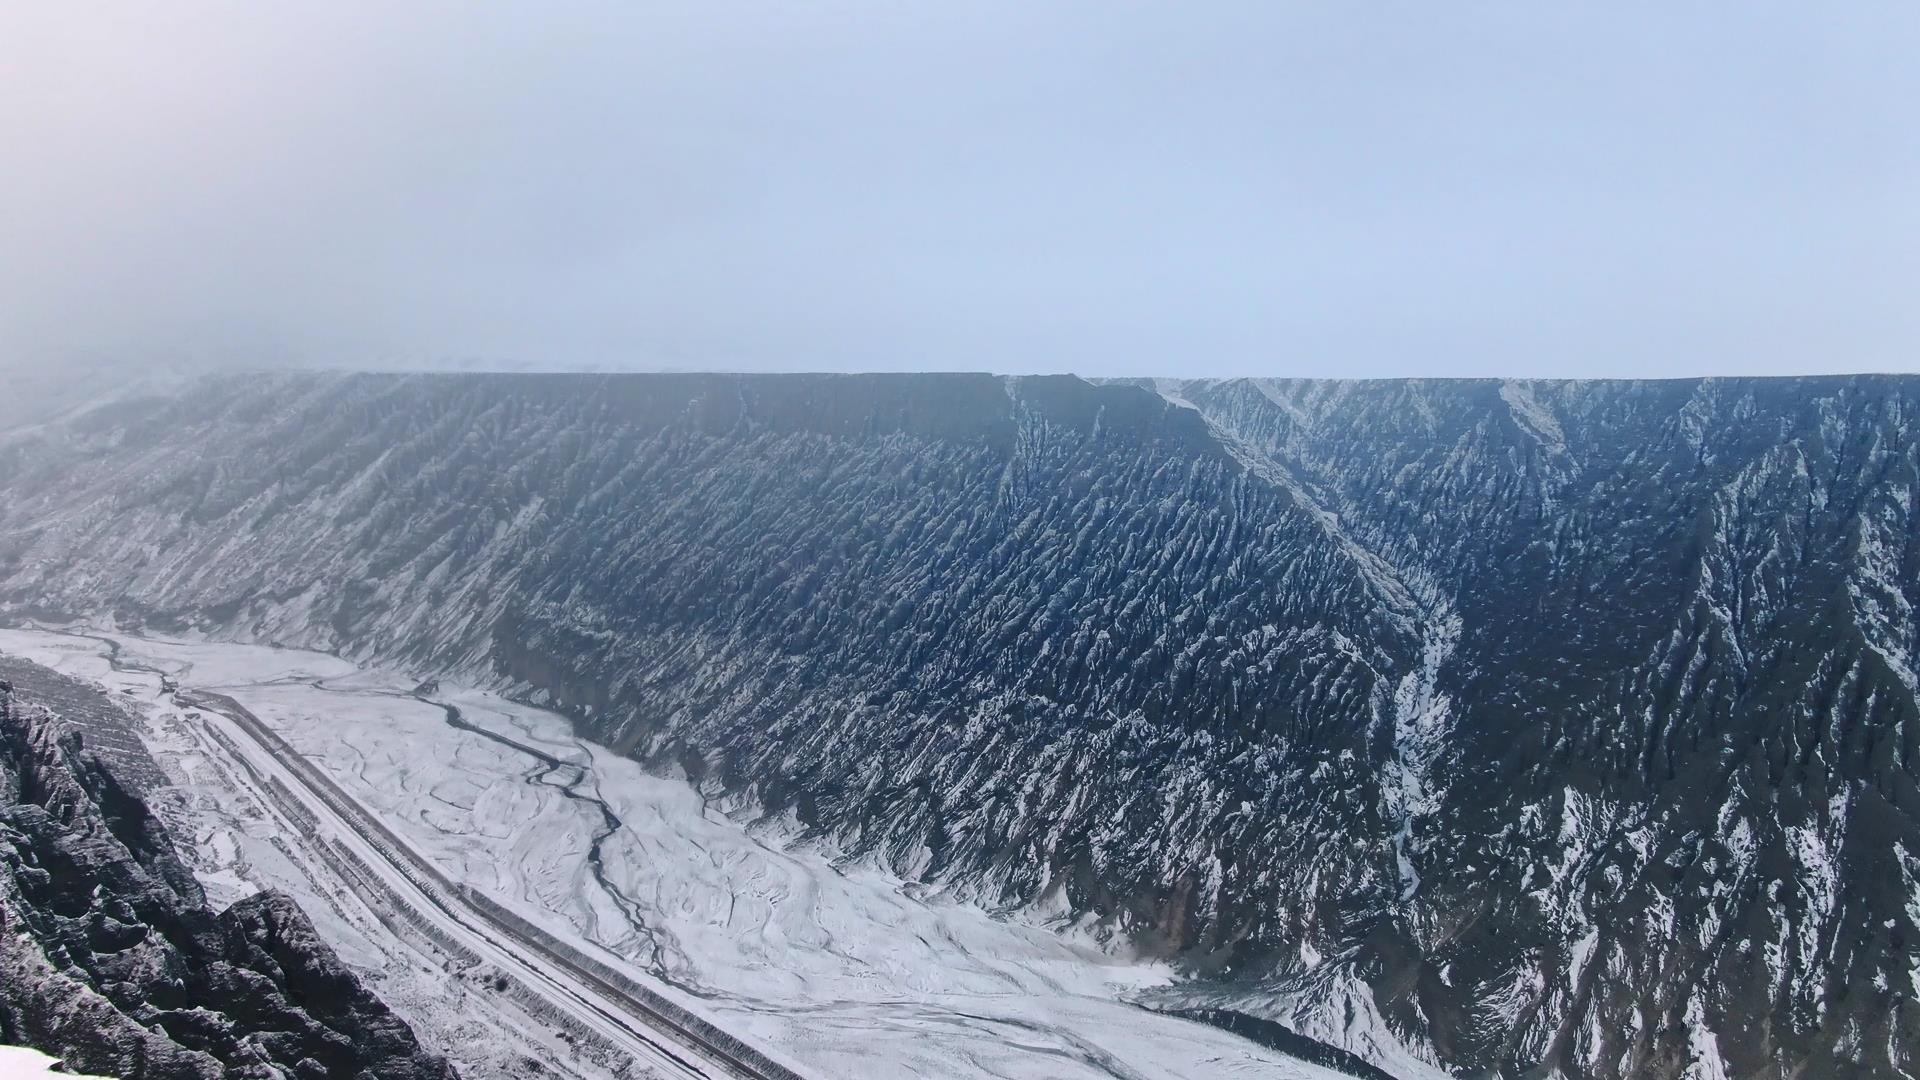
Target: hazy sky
(1257,186)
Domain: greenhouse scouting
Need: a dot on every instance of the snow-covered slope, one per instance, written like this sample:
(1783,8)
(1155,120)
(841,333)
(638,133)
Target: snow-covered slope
(1498,725)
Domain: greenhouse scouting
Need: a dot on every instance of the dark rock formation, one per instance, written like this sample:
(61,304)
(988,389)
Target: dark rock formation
(110,960)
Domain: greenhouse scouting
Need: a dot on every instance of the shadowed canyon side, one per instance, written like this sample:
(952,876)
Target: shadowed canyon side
(1556,725)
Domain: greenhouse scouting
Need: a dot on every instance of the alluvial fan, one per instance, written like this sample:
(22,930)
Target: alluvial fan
(1512,726)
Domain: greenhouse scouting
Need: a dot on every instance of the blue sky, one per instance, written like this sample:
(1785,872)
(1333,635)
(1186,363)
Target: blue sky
(1115,188)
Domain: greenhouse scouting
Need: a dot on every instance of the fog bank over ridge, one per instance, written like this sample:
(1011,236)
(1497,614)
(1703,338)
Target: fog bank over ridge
(1251,189)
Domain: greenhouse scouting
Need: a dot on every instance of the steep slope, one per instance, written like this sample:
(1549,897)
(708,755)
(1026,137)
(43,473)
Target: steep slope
(749,576)
(109,958)
(1678,792)
(1556,725)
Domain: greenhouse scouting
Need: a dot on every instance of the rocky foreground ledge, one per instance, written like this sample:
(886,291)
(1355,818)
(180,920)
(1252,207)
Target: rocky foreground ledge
(110,958)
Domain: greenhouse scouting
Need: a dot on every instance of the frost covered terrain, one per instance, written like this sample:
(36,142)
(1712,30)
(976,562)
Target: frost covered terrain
(19,1063)
(1490,725)
(832,967)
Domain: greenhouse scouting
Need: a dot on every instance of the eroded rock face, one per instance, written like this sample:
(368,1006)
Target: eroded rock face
(111,961)
(1561,725)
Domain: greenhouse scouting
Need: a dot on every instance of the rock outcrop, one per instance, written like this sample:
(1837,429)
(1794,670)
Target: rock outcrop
(110,959)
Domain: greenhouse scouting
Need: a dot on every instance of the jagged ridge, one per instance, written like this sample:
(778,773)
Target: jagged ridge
(1571,720)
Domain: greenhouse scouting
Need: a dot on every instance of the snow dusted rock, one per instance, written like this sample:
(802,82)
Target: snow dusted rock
(1526,725)
(110,959)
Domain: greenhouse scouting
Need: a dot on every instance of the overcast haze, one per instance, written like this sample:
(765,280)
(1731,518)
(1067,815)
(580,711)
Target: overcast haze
(1109,188)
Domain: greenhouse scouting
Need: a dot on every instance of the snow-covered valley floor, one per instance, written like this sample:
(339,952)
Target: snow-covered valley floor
(839,970)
